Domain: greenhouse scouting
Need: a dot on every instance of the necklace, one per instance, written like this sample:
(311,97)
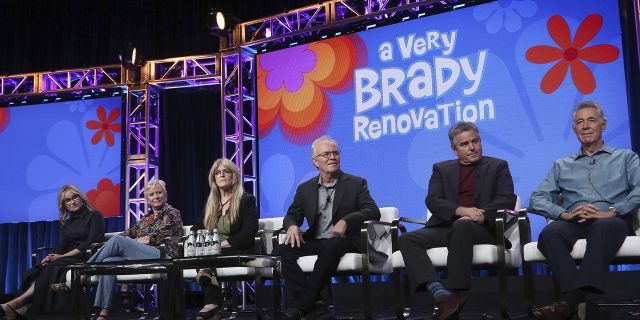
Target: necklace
(225,203)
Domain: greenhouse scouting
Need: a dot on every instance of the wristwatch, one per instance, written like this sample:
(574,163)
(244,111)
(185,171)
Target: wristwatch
(615,210)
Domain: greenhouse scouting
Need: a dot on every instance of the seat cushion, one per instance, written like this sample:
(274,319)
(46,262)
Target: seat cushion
(483,254)
(190,274)
(630,248)
(350,262)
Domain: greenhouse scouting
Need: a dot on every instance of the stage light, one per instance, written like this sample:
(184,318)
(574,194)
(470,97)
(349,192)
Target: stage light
(220,22)
(267,33)
(458,6)
(129,57)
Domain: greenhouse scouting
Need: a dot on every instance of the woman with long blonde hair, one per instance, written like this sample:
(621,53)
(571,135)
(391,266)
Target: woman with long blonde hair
(234,214)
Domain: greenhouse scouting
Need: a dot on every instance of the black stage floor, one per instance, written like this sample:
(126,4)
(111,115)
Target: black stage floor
(482,300)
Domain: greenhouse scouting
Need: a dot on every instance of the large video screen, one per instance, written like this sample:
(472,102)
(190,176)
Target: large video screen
(389,95)
(49,145)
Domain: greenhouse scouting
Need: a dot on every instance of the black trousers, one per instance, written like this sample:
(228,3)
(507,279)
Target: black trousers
(459,238)
(604,238)
(303,293)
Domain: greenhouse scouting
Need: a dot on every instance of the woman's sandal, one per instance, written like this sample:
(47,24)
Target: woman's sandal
(60,287)
(207,277)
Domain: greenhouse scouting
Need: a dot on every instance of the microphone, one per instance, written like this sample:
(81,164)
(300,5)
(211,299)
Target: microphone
(593,161)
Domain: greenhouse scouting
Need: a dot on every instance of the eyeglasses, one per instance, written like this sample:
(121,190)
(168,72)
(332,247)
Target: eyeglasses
(75,197)
(223,172)
(328,154)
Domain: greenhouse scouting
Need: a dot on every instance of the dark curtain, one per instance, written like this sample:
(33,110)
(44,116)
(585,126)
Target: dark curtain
(190,141)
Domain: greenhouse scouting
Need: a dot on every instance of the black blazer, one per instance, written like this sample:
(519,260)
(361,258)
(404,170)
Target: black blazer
(244,229)
(352,203)
(494,189)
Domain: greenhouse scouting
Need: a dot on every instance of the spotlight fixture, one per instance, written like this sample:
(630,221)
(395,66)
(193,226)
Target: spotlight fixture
(220,22)
(129,57)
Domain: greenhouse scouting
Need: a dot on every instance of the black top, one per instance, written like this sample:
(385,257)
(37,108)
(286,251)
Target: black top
(244,228)
(83,228)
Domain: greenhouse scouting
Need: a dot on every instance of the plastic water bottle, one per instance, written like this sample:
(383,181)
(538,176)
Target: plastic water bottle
(208,248)
(215,246)
(191,245)
(199,243)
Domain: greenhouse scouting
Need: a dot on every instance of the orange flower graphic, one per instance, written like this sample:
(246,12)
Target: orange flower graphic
(106,198)
(571,54)
(104,126)
(293,85)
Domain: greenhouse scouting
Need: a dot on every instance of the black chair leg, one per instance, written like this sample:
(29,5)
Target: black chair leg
(398,299)
(529,289)
(503,292)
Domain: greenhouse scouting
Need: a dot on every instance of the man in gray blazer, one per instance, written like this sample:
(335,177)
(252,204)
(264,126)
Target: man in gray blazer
(335,205)
(463,197)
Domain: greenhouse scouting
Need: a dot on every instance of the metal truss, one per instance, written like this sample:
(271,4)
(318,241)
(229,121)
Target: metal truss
(239,123)
(184,72)
(143,143)
(311,22)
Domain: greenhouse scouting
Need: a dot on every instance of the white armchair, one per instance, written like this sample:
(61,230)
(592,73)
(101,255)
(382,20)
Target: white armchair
(513,226)
(376,235)
(629,253)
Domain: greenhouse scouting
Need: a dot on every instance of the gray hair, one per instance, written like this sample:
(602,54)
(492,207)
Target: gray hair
(590,104)
(152,184)
(315,144)
(462,127)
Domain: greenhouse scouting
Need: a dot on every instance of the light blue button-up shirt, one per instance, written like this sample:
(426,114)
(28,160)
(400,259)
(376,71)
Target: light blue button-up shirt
(611,177)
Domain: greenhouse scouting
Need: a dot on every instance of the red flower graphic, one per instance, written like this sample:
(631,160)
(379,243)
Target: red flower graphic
(572,54)
(106,198)
(104,126)
(4,118)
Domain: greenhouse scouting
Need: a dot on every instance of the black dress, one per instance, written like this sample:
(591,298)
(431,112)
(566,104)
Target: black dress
(83,229)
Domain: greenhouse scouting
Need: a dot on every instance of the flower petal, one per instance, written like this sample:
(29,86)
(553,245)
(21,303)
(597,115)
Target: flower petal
(554,77)
(543,54)
(97,136)
(113,115)
(587,30)
(102,114)
(525,8)
(108,137)
(600,53)
(483,12)
(512,21)
(582,77)
(116,127)
(559,31)
(93,125)
(494,23)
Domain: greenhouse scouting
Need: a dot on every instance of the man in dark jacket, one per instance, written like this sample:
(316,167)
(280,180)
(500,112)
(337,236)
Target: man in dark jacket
(335,205)
(463,196)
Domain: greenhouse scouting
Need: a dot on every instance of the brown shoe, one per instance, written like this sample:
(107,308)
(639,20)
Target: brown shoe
(559,310)
(448,307)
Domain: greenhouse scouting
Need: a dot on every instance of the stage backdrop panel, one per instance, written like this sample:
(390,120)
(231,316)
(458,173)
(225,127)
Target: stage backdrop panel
(390,94)
(49,145)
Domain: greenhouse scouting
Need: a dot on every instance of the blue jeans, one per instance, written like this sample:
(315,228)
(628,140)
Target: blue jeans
(118,248)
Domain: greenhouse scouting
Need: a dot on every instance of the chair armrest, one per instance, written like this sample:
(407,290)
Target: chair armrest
(275,236)
(35,252)
(181,242)
(258,247)
(411,220)
(163,246)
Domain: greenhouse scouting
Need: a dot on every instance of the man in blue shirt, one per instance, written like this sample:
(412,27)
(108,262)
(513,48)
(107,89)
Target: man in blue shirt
(599,187)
